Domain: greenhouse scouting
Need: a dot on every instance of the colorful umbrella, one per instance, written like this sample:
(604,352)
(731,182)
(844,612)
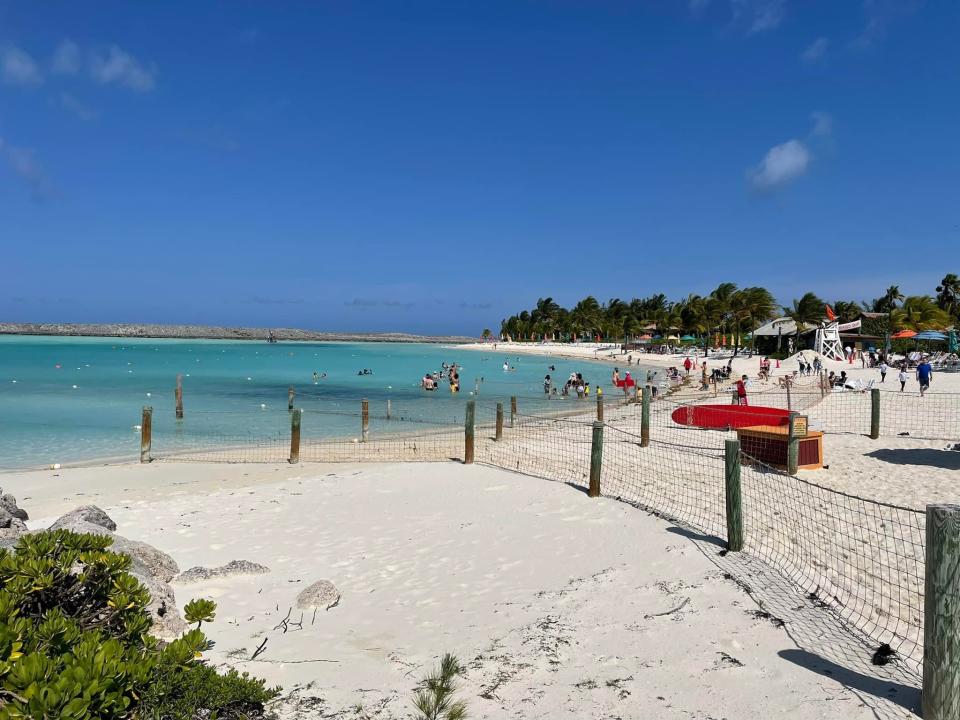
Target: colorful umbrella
(688,338)
(646,337)
(930,335)
(902,335)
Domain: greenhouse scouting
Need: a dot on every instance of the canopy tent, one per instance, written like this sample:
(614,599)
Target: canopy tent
(646,337)
(930,335)
(688,338)
(672,337)
(902,335)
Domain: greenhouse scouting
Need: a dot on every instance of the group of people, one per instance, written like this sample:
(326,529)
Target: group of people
(809,368)
(575,383)
(431,380)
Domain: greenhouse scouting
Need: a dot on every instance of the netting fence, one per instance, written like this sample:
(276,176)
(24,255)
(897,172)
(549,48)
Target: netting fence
(862,558)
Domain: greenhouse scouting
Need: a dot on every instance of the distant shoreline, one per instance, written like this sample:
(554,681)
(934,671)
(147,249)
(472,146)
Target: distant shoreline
(205,332)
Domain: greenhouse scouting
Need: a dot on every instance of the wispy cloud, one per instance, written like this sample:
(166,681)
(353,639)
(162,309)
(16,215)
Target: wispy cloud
(878,15)
(66,59)
(18,68)
(118,67)
(76,107)
(758,15)
(781,165)
(370,302)
(822,123)
(24,165)
(816,51)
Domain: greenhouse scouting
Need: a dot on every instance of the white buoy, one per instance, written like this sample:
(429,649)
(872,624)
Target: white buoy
(137,428)
(249,378)
(263,406)
(75,387)
(149,395)
(13,381)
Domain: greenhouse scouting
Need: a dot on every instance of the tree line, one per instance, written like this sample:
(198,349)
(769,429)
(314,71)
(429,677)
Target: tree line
(728,310)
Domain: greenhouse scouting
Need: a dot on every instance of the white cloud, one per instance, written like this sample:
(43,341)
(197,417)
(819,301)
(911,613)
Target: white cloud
(78,108)
(815,51)
(759,15)
(25,166)
(822,123)
(121,68)
(66,59)
(18,68)
(781,165)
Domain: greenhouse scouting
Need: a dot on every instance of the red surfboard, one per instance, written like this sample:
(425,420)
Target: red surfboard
(721,417)
(629,382)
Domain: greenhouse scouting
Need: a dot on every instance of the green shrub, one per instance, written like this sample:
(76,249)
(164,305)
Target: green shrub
(434,698)
(75,642)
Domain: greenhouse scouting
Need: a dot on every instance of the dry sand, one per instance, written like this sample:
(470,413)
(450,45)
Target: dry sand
(558,604)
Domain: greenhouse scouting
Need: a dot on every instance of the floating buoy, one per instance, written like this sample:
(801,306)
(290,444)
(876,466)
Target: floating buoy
(263,406)
(13,381)
(75,387)
(137,428)
(149,395)
(249,378)
(57,366)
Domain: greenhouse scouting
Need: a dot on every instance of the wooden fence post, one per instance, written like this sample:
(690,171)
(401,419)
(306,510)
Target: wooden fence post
(295,419)
(596,459)
(874,413)
(823,384)
(291,394)
(600,408)
(645,418)
(793,447)
(941,623)
(146,434)
(364,420)
(734,506)
(499,432)
(513,410)
(388,408)
(788,382)
(178,394)
(469,427)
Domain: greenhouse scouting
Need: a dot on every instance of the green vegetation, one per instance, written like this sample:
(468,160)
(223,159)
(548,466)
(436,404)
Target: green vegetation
(434,699)
(728,310)
(75,643)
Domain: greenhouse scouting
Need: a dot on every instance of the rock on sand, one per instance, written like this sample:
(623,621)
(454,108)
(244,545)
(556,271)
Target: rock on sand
(322,594)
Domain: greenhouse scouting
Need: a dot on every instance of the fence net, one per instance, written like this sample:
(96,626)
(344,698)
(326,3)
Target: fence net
(862,558)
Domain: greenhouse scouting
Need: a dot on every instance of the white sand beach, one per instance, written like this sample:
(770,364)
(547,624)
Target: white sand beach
(558,604)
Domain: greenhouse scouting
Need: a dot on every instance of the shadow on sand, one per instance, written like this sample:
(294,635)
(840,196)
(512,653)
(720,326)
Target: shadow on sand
(930,457)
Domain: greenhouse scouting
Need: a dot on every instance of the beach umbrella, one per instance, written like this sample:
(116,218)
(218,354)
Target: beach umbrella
(902,335)
(688,338)
(930,335)
(672,337)
(646,337)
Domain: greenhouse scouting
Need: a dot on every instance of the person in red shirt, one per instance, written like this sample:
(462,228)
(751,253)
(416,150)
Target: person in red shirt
(687,365)
(742,391)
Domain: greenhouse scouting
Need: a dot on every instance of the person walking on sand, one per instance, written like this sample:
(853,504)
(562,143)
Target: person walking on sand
(742,391)
(924,375)
(704,384)
(883,370)
(903,378)
(687,364)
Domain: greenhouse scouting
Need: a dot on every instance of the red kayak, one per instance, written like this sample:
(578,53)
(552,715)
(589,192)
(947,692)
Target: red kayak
(721,417)
(629,382)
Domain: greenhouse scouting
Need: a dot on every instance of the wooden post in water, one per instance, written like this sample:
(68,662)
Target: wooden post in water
(295,419)
(596,459)
(734,506)
(178,394)
(364,420)
(874,413)
(499,433)
(469,427)
(793,447)
(940,698)
(291,394)
(600,408)
(513,410)
(645,418)
(146,433)
(388,408)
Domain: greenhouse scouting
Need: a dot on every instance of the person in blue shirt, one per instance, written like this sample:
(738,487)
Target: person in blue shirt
(924,374)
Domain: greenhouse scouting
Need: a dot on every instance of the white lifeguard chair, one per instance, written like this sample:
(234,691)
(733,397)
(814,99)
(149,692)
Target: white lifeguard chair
(827,341)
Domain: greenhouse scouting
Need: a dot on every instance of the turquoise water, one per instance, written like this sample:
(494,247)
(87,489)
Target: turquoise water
(69,400)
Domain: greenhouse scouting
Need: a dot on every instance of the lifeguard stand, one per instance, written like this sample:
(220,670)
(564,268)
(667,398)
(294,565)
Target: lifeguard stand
(827,341)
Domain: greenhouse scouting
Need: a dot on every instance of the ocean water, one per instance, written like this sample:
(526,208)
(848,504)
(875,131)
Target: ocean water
(73,400)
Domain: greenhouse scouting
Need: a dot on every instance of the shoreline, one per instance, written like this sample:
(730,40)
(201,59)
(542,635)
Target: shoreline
(156,331)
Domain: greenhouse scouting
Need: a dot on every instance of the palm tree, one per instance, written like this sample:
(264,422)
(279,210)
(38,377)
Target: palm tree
(948,294)
(586,316)
(847,311)
(805,312)
(919,313)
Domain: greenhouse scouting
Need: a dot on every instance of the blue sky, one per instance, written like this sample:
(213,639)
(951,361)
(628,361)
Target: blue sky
(435,166)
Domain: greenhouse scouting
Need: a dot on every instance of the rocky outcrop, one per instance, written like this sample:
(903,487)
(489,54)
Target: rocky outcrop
(322,594)
(121,330)
(9,503)
(87,513)
(233,568)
